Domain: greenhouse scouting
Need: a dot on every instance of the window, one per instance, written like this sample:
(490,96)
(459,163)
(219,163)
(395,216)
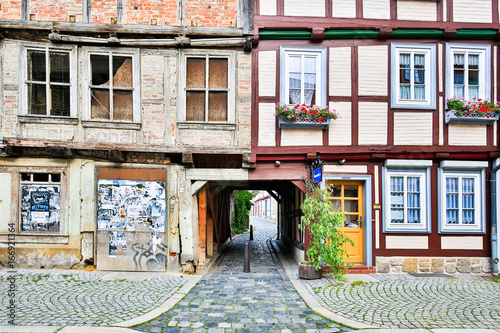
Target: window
(207,89)
(461,195)
(406,196)
(413,76)
(112,82)
(468,71)
(49,84)
(40,202)
(302,75)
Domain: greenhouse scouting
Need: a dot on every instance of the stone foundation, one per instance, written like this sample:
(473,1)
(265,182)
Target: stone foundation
(448,265)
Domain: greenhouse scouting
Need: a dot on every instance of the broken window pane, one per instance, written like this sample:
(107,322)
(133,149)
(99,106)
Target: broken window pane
(36,66)
(122,71)
(217,110)
(41,177)
(195,106)
(122,105)
(99,103)
(37,99)
(217,73)
(26,176)
(195,75)
(59,67)
(55,177)
(60,96)
(100,69)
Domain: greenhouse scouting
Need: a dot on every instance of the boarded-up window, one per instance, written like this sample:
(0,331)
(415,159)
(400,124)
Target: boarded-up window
(111,87)
(40,202)
(48,82)
(207,89)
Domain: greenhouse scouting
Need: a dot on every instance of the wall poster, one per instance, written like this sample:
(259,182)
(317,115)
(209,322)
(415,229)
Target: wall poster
(40,208)
(131,225)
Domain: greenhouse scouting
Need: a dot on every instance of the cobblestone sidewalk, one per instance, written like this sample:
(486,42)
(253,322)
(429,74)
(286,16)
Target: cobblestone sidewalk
(60,298)
(228,300)
(406,301)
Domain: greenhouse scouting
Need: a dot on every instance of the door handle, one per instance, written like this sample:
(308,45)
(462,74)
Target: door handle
(360,221)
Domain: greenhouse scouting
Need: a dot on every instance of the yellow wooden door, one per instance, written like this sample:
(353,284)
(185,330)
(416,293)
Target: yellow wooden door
(347,197)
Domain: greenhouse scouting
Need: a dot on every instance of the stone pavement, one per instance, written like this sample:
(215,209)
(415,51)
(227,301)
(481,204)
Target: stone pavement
(406,301)
(228,300)
(60,298)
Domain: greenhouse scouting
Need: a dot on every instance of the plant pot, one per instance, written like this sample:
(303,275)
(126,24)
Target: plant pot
(309,272)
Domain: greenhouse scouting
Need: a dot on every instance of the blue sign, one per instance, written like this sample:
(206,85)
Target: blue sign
(317,175)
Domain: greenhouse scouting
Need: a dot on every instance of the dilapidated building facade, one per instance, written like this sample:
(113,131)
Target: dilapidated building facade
(120,122)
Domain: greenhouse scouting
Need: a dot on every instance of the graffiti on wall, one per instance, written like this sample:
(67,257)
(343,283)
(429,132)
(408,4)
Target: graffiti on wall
(133,215)
(40,208)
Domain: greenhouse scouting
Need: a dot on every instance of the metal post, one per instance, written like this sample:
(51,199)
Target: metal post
(246,264)
(251,232)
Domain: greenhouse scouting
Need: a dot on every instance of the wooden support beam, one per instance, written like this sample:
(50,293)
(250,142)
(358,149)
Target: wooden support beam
(202,217)
(116,156)
(301,185)
(275,196)
(196,186)
(187,158)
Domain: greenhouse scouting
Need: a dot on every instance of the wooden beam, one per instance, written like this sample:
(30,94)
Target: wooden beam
(197,185)
(275,197)
(116,156)
(87,11)
(187,158)
(202,217)
(300,185)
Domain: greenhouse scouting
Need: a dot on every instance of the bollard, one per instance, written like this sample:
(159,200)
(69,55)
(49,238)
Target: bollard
(246,264)
(251,232)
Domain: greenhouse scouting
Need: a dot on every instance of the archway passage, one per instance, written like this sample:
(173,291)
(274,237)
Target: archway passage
(227,298)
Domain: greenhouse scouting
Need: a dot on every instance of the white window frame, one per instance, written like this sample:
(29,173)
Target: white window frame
(429,51)
(484,52)
(23,77)
(320,54)
(87,76)
(463,169)
(231,85)
(407,168)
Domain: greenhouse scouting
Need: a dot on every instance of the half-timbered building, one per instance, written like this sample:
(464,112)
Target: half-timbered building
(417,183)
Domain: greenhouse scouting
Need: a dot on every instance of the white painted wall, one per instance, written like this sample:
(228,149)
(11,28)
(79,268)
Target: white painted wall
(268,7)
(373,70)
(5,201)
(377,9)
(466,135)
(413,128)
(340,133)
(372,123)
(344,8)
(407,242)
(267,124)
(267,73)
(299,8)
(479,11)
(340,71)
(417,10)
(301,137)
(462,243)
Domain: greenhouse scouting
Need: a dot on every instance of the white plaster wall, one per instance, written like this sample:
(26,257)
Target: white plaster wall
(267,73)
(5,201)
(462,243)
(268,7)
(466,135)
(372,123)
(340,71)
(301,137)
(417,10)
(344,8)
(362,169)
(299,8)
(267,124)
(340,133)
(377,9)
(373,70)
(413,128)
(407,242)
(479,11)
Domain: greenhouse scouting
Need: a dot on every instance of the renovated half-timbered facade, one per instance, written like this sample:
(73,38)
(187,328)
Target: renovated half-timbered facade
(119,122)
(417,183)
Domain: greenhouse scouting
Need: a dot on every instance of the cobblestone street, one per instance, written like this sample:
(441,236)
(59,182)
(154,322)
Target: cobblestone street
(228,300)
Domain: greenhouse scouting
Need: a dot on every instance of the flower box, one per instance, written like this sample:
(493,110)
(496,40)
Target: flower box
(304,123)
(485,118)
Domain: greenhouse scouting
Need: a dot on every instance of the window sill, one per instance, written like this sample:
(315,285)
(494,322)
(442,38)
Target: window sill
(112,124)
(488,118)
(461,231)
(32,238)
(37,119)
(206,126)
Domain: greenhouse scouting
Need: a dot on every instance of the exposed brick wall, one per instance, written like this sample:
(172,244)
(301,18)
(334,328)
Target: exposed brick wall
(103,11)
(56,10)
(211,13)
(103,135)
(195,137)
(164,12)
(11,10)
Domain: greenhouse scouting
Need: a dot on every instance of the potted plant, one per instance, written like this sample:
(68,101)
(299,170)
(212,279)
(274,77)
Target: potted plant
(304,116)
(326,241)
(461,111)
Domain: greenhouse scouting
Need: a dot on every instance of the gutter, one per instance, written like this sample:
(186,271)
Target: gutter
(494,228)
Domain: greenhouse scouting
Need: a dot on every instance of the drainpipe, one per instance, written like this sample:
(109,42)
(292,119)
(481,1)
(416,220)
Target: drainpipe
(494,235)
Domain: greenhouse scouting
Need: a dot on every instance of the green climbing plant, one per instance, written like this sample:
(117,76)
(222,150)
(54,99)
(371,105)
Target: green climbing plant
(242,205)
(326,244)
